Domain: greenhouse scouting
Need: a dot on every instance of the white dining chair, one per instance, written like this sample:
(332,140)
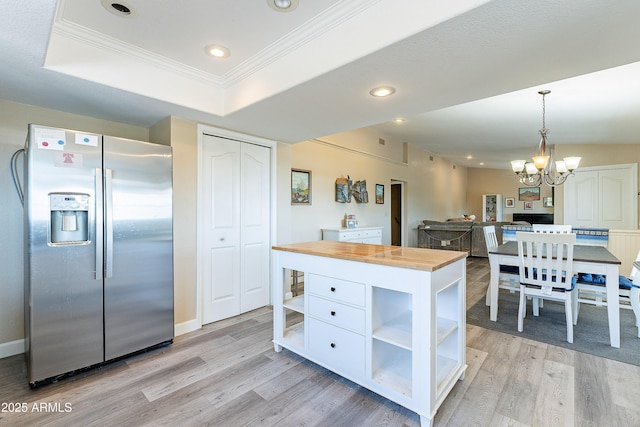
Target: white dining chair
(551,228)
(592,290)
(509,277)
(545,274)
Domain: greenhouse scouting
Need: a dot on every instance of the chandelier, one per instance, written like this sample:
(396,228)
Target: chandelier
(542,169)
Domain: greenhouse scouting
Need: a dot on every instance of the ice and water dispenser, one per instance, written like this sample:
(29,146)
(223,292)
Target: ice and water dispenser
(69,218)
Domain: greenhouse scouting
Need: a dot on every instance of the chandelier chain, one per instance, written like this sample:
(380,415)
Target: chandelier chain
(544,126)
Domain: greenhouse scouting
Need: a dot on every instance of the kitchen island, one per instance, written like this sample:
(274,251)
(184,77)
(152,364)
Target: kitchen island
(389,318)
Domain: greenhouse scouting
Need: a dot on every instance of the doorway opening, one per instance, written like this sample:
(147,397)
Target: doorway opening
(397,212)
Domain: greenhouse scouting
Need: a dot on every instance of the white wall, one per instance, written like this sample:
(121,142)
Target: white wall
(434,188)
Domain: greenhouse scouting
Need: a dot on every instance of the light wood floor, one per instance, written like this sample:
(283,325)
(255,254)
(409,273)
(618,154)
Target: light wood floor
(227,374)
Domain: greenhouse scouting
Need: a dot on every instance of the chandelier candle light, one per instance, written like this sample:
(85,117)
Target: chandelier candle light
(543,169)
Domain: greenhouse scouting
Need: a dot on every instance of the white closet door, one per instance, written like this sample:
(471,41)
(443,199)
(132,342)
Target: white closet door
(221,229)
(255,208)
(616,206)
(581,199)
(602,197)
(235,227)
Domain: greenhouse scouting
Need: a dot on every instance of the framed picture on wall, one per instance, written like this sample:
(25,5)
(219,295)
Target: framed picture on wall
(509,202)
(547,202)
(379,194)
(528,206)
(300,187)
(528,194)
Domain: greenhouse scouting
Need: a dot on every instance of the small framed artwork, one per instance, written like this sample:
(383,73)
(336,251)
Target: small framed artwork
(509,202)
(528,206)
(379,194)
(528,194)
(300,187)
(547,202)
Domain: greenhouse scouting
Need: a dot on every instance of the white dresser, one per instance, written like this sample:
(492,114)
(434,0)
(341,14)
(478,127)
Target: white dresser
(356,235)
(389,318)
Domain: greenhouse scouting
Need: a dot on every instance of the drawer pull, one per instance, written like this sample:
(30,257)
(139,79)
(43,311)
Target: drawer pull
(333,289)
(333,313)
(333,345)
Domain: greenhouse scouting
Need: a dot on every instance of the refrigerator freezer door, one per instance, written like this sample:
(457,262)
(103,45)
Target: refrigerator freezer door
(63,285)
(139,275)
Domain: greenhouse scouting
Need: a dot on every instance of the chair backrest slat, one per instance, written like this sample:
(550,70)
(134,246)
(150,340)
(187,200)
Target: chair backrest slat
(490,237)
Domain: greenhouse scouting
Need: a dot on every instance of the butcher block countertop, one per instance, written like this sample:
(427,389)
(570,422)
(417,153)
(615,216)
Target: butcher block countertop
(394,256)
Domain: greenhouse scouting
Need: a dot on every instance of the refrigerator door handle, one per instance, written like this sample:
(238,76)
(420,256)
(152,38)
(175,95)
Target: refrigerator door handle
(108,175)
(99,214)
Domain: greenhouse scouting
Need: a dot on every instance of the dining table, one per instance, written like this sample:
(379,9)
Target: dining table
(586,259)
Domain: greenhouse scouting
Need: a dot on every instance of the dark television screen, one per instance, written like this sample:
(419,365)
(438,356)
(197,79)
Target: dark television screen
(534,218)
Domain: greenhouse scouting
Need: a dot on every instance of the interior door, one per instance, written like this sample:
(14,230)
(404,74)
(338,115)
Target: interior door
(396,214)
(235,227)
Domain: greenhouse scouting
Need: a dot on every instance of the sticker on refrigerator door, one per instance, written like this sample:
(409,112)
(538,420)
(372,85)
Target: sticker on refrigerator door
(50,139)
(68,160)
(84,139)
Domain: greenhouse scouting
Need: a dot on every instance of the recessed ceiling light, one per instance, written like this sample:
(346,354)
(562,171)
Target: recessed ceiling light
(469,157)
(119,8)
(399,120)
(283,5)
(382,91)
(217,51)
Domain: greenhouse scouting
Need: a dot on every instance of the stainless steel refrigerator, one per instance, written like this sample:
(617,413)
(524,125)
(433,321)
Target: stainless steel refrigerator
(98,250)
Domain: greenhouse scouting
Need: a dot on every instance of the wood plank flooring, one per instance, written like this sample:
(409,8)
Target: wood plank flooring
(227,374)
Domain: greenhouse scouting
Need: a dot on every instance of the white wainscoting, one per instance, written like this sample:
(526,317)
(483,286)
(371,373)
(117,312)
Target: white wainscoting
(625,245)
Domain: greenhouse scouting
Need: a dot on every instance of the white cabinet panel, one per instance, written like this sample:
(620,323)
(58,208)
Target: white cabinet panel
(370,235)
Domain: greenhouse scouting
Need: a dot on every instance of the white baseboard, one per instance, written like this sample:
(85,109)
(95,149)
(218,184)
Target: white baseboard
(186,327)
(11,348)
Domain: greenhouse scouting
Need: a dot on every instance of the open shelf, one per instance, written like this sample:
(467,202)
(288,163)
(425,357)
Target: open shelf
(295,303)
(392,317)
(295,334)
(445,328)
(396,331)
(392,367)
(444,372)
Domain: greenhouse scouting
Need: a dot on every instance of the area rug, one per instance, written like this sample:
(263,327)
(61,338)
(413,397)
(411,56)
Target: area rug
(590,335)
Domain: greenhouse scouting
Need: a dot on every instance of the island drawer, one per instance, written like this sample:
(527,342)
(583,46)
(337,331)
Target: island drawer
(336,313)
(337,289)
(337,348)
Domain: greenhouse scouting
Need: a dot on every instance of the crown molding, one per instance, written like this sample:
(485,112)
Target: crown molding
(321,24)
(100,41)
